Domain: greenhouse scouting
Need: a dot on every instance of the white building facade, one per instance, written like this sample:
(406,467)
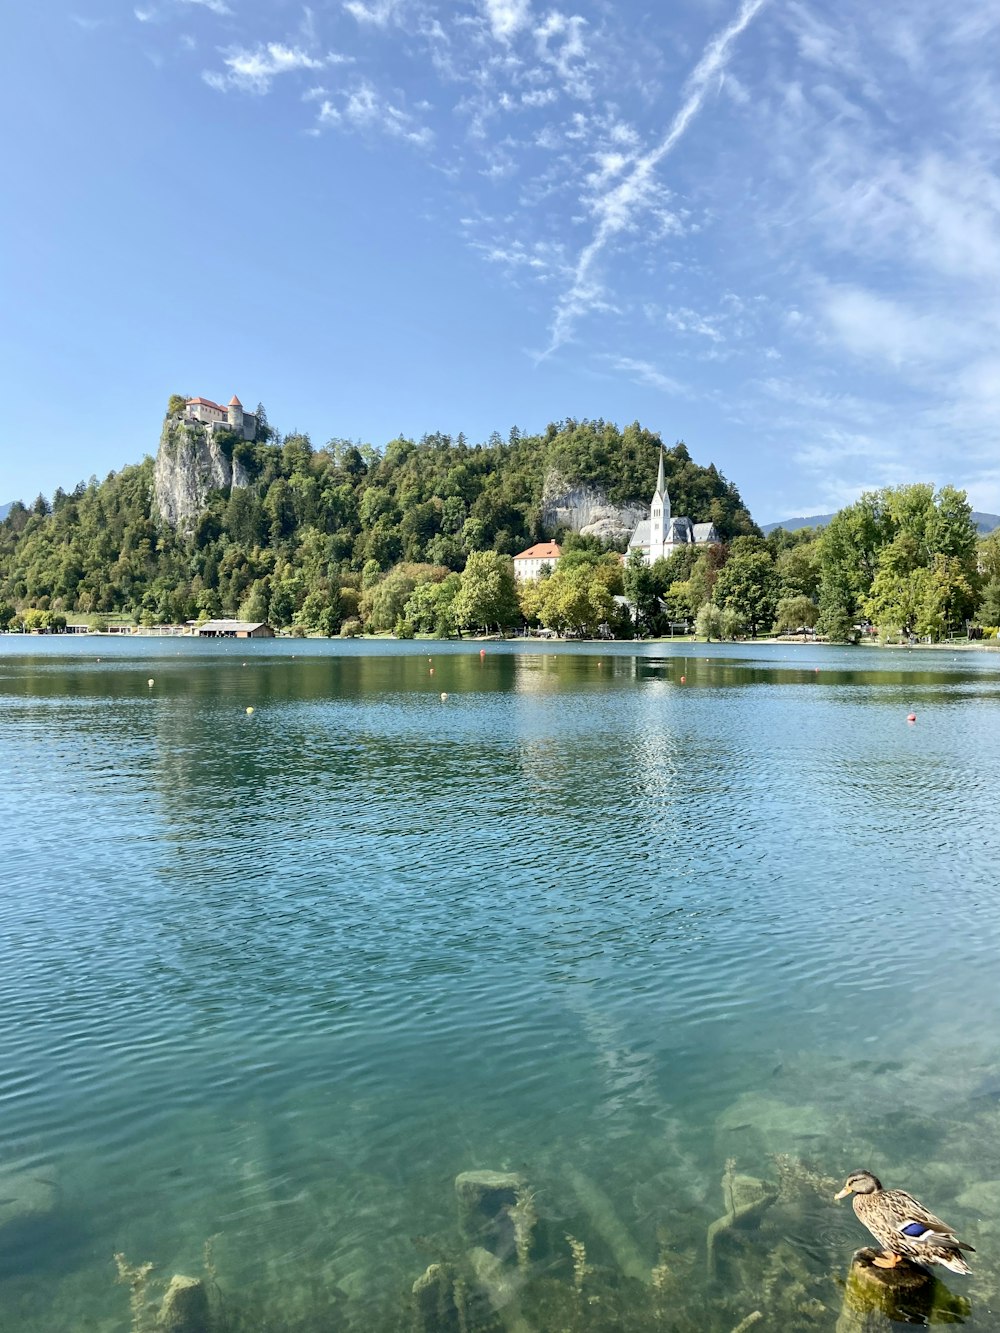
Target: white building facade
(530,563)
(661,534)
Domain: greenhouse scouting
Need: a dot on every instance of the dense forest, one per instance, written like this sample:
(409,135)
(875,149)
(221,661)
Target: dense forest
(316,529)
(416,537)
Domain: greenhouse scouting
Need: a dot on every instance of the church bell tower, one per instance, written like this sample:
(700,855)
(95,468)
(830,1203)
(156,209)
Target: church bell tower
(659,515)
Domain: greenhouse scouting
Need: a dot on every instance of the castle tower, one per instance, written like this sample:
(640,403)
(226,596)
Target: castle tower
(659,515)
(235,410)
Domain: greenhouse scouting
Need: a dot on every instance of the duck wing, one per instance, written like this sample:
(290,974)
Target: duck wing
(911,1219)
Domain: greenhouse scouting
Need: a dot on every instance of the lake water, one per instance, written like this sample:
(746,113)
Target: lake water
(644,926)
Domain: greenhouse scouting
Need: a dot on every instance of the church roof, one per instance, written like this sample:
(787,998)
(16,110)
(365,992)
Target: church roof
(641,535)
(705,532)
(235,402)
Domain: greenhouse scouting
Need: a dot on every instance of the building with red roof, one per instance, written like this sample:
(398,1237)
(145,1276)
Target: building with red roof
(216,417)
(530,563)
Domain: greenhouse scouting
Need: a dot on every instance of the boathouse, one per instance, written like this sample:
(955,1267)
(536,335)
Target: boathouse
(234,629)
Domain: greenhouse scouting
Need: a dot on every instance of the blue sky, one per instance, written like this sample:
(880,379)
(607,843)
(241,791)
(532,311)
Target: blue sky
(768,227)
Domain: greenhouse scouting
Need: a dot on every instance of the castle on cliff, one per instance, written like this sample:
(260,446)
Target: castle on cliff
(661,535)
(215,417)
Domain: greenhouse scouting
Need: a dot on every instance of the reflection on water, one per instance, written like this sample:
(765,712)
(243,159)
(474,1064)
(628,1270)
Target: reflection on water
(671,957)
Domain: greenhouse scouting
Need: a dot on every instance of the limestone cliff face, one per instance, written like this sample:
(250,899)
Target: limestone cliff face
(190,464)
(586,509)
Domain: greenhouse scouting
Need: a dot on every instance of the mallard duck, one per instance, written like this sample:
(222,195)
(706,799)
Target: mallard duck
(902,1226)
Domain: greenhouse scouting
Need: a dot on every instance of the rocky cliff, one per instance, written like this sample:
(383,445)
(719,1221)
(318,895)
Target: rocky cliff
(190,464)
(587,509)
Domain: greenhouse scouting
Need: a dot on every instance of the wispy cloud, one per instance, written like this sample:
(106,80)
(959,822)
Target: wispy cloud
(377,14)
(642,372)
(215,6)
(363,108)
(616,209)
(253,71)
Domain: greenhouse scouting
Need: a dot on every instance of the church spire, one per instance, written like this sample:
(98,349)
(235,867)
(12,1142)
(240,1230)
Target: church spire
(660,484)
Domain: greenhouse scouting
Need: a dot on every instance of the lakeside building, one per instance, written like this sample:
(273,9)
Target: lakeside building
(661,534)
(530,563)
(234,629)
(216,417)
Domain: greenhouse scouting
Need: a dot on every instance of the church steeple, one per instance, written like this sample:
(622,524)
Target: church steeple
(659,513)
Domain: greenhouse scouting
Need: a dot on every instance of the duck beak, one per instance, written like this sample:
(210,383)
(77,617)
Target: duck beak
(842,1194)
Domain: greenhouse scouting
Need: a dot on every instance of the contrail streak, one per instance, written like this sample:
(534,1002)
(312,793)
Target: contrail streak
(617,206)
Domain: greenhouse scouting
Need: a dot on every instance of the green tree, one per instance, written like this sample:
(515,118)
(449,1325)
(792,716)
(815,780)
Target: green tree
(708,622)
(255,606)
(487,598)
(748,585)
(639,590)
(795,612)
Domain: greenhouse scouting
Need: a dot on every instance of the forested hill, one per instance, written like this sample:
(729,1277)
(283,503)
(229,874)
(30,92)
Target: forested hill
(313,524)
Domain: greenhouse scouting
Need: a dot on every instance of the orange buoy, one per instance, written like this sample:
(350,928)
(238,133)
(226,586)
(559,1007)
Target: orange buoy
(684,680)
(911,717)
(482,652)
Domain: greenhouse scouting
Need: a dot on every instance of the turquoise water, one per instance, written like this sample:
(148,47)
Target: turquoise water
(277,979)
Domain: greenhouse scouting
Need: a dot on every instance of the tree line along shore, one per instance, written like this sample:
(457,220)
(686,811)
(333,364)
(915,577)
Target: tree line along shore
(417,537)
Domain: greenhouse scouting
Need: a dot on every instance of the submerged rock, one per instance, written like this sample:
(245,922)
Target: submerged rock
(184,1308)
(757,1127)
(485,1201)
(435,1307)
(25,1193)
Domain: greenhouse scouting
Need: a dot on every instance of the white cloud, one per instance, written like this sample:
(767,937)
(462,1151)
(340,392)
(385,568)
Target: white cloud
(254,71)
(539,97)
(616,209)
(559,42)
(215,6)
(871,325)
(642,372)
(363,108)
(507,17)
(377,14)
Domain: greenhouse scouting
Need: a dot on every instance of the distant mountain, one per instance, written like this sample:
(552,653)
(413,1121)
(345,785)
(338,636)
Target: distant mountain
(792,524)
(984,522)
(4,511)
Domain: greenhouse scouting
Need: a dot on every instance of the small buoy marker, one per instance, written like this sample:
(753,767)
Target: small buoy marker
(443,696)
(151,682)
(431,672)
(684,680)
(482,652)
(911,717)
(249,712)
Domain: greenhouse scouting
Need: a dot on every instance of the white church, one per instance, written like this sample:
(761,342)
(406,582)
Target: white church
(661,534)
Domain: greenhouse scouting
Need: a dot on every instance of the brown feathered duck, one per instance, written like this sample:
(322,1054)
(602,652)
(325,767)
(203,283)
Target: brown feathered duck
(903,1226)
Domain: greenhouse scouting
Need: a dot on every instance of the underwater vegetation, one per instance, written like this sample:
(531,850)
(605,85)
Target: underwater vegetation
(513,1265)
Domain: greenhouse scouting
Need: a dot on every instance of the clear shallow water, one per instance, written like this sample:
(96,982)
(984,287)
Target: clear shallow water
(279,979)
